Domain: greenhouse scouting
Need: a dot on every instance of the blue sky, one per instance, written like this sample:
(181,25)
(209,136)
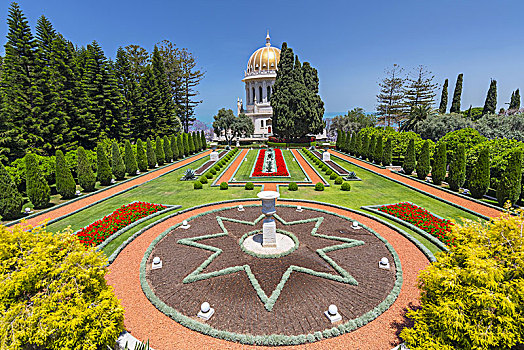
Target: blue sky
(349,42)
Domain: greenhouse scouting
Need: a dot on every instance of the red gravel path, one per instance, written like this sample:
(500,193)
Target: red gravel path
(82,203)
(463,202)
(144,321)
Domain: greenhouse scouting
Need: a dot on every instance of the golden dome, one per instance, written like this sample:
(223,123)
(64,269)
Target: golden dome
(264,59)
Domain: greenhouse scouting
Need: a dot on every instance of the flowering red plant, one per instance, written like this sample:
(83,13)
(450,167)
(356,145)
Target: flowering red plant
(99,230)
(279,160)
(423,219)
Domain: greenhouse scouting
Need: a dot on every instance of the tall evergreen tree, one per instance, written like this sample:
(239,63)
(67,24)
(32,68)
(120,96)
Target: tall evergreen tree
(365,147)
(377,156)
(315,107)
(129,89)
(37,188)
(11,200)
(390,108)
(86,177)
(470,113)
(420,89)
(190,77)
(438,170)
(190,143)
(203,139)
(455,104)
(347,141)
(423,166)
(185,141)
(151,156)
(457,169)
(103,170)
(409,158)
(65,183)
(509,186)
(180,145)
(168,153)
(371,147)
(353,143)
(142,160)
(444,98)
(283,115)
(386,155)
(339,139)
(196,141)
(490,105)
(129,159)
(117,164)
(515,100)
(159,151)
(479,177)
(174,147)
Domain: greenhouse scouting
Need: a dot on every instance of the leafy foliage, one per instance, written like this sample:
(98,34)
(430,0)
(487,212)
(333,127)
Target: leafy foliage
(159,151)
(168,152)
(319,186)
(249,186)
(141,157)
(386,154)
(10,199)
(435,126)
(409,159)
(457,169)
(130,160)
(379,150)
(65,183)
(292,186)
(103,171)
(438,170)
(223,186)
(353,121)
(38,190)
(346,186)
(86,177)
(478,181)
(423,163)
(509,186)
(117,164)
(151,156)
(197,185)
(174,147)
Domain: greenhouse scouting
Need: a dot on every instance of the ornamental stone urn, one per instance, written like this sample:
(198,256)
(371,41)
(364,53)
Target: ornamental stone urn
(269,228)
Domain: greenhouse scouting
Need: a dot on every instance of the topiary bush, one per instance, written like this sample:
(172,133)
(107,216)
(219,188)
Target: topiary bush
(159,151)
(197,185)
(174,147)
(379,150)
(37,188)
(329,172)
(209,175)
(168,153)
(141,156)
(185,141)
(249,186)
(86,177)
(339,180)
(346,186)
(457,169)
(223,186)
(438,170)
(409,159)
(423,163)
(333,176)
(103,170)
(65,183)
(387,153)
(319,186)
(216,167)
(180,146)
(191,143)
(117,164)
(130,160)
(203,179)
(478,182)
(150,153)
(324,168)
(292,186)
(509,186)
(213,171)
(11,200)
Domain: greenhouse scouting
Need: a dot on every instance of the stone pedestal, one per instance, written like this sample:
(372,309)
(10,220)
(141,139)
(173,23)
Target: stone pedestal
(269,232)
(213,156)
(326,156)
(269,229)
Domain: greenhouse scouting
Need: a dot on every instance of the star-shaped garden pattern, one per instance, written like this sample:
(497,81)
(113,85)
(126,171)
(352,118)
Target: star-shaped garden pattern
(198,274)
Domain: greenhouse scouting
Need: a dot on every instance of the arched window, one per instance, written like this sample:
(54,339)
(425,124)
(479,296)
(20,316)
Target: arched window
(268,93)
(260,94)
(252,95)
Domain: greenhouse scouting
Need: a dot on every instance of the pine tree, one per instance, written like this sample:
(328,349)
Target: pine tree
(490,105)
(444,98)
(168,153)
(479,177)
(65,183)
(166,121)
(129,159)
(409,158)
(377,156)
(103,170)
(509,186)
(423,166)
(117,164)
(203,139)
(515,100)
(180,145)
(457,169)
(190,143)
(159,151)
(185,141)
(420,89)
(37,188)
(390,107)
(455,104)
(10,199)
(151,156)
(190,77)
(371,147)
(141,156)
(86,177)
(438,170)
(174,147)
(386,155)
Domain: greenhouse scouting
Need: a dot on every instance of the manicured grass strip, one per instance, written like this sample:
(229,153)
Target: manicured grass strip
(296,174)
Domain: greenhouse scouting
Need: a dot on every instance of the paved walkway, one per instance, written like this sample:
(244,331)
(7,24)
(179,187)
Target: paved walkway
(144,321)
(84,202)
(459,200)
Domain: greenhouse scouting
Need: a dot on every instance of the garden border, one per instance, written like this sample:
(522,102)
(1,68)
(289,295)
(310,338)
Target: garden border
(219,175)
(360,159)
(326,183)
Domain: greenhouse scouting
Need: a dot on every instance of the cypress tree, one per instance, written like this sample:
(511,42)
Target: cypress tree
(151,156)
(457,169)
(438,171)
(129,159)
(455,104)
(423,163)
(185,140)
(37,188)
(190,143)
(203,139)
(387,154)
(159,151)
(347,141)
(103,170)
(141,156)
(174,147)
(65,183)
(409,158)
(365,147)
(352,143)
(444,98)
(11,200)
(371,147)
(479,177)
(358,145)
(168,153)
(117,164)
(196,140)
(514,104)
(509,186)
(86,177)
(470,113)
(180,145)
(339,139)
(490,105)
(377,157)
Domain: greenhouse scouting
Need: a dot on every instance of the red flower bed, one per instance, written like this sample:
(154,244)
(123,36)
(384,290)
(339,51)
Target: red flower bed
(423,219)
(279,159)
(99,230)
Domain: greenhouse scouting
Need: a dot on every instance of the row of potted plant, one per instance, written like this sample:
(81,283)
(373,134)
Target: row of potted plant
(280,163)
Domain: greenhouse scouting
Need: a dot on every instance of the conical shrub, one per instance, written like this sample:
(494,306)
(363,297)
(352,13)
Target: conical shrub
(168,153)
(457,169)
(117,164)
(86,177)
(180,145)
(409,159)
(387,153)
(423,164)
(479,176)
(37,188)
(196,141)
(509,186)
(11,200)
(191,143)
(129,159)
(150,153)
(103,170)
(159,151)
(438,171)
(203,139)
(65,183)
(185,141)
(174,147)
(377,157)
(141,156)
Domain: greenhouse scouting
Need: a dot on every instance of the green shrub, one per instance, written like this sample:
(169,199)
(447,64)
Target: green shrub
(213,171)
(457,169)
(197,185)
(86,177)
(377,153)
(196,141)
(141,156)
(319,186)
(168,153)
(11,200)
(150,153)
(185,141)
(387,153)
(249,186)
(223,186)
(103,170)
(346,186)
(292,186)
(325,168)
(371,147)
(365,147)
(339,180)
(203,179)
(509,186)
(38,190)
(438,171)
(65,183)
(130,160)
(479,176)
(209,175)
(174,147)
(423,163)
(203,139)
(216,167)
(409,159)
(333,176)
(117,164)
(159,151)
(180,146)
(329,172)
(191,143)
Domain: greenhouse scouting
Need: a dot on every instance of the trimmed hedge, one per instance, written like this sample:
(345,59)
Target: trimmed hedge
(292,186)
(509,187)
(423,164)
(409,159)
(38,190)
(478,182)
(339,180)
(86,177)
(103,170)
(141,156)
(457,169)
(168,153)
(438,171)
(65,183)
(174,148)
(159,151)
(11,200)
(203,179)
(150,153)
(319,186)
(197,185)
(224,186)
(249,186)
(130,160)
(117,164)
(346,186)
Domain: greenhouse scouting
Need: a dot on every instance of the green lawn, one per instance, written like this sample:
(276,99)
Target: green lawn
(245,169)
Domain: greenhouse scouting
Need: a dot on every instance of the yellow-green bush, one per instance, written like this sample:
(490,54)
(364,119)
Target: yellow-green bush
(473,296)
(54,295)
